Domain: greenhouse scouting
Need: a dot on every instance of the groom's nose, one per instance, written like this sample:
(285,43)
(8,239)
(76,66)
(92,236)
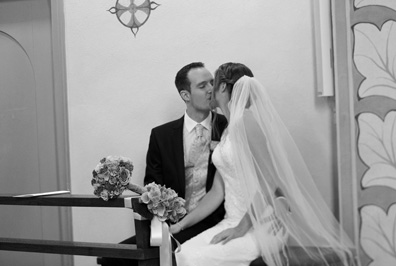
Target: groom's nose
(209,94)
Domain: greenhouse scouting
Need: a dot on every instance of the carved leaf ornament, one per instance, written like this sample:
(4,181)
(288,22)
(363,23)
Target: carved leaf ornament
(388,3)
(378,234)
(377,149)
(375,59)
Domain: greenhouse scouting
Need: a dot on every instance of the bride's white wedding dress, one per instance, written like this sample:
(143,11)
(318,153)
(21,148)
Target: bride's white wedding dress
(240,251)
(257,157)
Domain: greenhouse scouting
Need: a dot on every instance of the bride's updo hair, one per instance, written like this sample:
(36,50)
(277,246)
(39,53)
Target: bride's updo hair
(230,73)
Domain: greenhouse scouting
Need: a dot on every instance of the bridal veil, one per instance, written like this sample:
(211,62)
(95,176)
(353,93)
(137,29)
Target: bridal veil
(276,175)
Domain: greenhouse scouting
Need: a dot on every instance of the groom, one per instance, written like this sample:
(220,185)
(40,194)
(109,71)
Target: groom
(172,159)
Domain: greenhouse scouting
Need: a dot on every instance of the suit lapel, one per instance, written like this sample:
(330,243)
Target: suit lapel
(178,154)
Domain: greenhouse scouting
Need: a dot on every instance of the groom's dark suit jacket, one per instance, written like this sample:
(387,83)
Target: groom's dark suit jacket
(165,166)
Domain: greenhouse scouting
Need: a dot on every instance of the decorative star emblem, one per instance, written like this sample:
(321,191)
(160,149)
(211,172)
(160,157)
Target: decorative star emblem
(133,15)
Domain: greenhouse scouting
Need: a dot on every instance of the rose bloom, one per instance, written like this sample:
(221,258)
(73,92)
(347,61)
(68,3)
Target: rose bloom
(104,195)
(113,180)
(145,198)
(98,168)
(160,210)
(154,195)
(124,175)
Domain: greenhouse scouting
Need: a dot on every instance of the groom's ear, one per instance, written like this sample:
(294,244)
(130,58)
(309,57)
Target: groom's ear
(185,95)
(223,87)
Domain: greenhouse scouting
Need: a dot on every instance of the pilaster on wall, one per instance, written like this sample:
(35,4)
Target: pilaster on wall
(344,115)
(365,67)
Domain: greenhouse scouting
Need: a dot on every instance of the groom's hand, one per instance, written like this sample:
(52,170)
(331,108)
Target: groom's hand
(227,235)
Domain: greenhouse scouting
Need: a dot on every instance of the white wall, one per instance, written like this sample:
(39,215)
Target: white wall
(119,86)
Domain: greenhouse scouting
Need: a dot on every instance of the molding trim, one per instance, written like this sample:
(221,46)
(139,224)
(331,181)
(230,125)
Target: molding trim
(346,146)
(61,117)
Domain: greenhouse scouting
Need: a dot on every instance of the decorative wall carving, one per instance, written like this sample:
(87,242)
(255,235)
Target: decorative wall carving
(378,234)
(133,13)
(377,149)
(374,78)
(375,59)
(386,3)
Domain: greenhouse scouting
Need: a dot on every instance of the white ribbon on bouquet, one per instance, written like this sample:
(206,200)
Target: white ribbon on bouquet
(160,237)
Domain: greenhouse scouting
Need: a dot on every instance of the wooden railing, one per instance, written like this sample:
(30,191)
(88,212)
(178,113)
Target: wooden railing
(142,252)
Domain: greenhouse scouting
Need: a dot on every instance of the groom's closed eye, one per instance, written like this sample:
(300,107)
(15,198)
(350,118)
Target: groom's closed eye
(202,85)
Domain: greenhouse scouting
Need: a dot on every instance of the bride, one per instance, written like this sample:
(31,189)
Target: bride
(271,201)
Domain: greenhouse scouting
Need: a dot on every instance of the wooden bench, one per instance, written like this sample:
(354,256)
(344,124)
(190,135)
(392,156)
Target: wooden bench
(142,252)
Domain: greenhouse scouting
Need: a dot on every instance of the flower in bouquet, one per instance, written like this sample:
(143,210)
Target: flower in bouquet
(163,202)
(111,177)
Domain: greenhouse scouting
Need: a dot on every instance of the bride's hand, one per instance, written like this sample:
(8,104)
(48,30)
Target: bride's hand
(231,233)
(227,235)
(175,228)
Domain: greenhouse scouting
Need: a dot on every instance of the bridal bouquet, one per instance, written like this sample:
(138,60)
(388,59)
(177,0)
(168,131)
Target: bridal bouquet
(163,202)
(111,177)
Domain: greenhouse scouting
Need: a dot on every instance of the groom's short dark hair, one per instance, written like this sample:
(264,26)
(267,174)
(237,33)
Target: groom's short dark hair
(181,81)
